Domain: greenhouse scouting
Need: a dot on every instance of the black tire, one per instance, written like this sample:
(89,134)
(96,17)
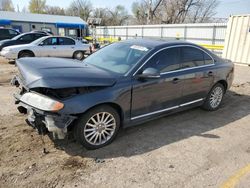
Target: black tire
(26,54)
(79,55)
(84,120)
(208,104)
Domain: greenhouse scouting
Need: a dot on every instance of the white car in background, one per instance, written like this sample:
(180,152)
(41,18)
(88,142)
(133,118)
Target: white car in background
(49,46)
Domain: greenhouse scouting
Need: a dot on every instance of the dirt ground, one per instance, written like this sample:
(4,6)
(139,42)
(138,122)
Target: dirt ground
(194,148)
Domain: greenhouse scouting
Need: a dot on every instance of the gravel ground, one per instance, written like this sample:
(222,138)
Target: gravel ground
(194,148)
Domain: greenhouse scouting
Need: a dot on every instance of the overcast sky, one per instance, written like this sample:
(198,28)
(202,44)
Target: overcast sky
(225,8)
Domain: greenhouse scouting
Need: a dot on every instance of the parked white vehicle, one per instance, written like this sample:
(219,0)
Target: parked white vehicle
(49,46)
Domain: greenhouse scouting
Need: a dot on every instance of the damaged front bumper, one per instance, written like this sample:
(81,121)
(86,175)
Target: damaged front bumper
(42,120)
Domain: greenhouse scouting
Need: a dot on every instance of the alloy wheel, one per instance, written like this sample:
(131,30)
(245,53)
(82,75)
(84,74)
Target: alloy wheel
(100,128)
(216,97)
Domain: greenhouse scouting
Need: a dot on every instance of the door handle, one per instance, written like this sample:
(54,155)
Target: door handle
(210,73)
(175,80)
(54,47)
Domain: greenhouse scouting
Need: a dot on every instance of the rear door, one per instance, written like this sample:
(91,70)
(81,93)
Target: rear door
(66,47)
(153,96)
(197,67)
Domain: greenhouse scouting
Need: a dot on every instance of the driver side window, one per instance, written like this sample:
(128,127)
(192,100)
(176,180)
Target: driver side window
(50,41)
(165,60)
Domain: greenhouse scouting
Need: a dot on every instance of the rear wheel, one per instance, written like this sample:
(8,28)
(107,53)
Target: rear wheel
(79,55)
(25,54)
(214,97)
(98,127)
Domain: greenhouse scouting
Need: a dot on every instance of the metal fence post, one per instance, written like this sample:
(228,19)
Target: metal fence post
(185,33)
(126,32)
(142,32)
(214,34)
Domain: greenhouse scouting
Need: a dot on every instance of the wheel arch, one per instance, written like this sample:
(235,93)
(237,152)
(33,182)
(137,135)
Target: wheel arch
(116,106)
(25,50)
(224,83)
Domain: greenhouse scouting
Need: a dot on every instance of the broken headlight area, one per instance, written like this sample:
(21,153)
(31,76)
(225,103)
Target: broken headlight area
(41,102)
(45,122)
(66,92)
(42,114)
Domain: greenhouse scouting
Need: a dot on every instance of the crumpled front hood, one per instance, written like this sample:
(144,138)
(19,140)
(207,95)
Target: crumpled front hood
(58,73)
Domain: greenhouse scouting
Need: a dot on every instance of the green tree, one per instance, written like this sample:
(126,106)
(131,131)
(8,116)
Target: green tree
(6,5)
(37,6)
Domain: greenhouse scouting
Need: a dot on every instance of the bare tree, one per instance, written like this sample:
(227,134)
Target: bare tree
(172,11)
(145,10)
(54,10)
(82,8)
(115,16)
(140,9)
(203,11)
(6,5)
(102,13)
(118,15)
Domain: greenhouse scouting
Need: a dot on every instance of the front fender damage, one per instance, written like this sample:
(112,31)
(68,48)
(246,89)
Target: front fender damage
(43,121)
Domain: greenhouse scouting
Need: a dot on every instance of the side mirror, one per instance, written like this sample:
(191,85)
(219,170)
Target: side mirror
(41,44)
(150,73)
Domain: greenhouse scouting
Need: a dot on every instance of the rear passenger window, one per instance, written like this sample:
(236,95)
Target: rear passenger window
(166,60)
(37,36)
(193,57)
(26,38)
(12,32)
(66,41)
(207,59)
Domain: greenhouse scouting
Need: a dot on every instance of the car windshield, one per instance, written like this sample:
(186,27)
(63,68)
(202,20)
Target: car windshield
(119,57)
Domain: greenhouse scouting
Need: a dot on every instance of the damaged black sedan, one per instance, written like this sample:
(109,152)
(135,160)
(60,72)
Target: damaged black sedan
(123,84)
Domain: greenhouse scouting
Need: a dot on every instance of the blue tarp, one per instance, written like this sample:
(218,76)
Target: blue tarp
(70,25)
(5,22)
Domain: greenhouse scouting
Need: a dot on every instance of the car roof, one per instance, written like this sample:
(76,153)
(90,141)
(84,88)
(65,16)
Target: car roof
(154,43)
(57,36)
(9,29)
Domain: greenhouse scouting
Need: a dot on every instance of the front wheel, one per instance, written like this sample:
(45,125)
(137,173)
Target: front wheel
(214,98)
(98,127)
(26,54)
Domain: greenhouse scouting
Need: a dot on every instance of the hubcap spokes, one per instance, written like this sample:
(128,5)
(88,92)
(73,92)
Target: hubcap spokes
(99,128)
(216,97)
(79,55)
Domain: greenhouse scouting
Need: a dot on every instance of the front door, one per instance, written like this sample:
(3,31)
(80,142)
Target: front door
(48,48)
(156,95)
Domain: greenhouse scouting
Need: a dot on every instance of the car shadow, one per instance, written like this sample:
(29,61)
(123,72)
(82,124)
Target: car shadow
(169,129)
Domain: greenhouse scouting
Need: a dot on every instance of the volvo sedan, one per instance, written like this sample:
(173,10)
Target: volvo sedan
(123,84)
(49,46)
